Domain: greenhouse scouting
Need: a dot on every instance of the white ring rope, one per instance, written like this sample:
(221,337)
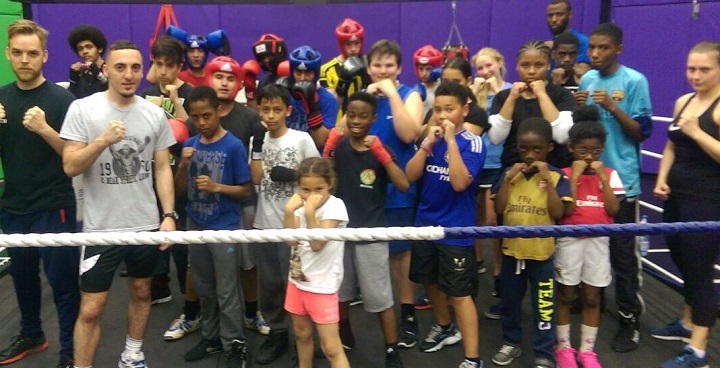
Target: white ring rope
(221,236)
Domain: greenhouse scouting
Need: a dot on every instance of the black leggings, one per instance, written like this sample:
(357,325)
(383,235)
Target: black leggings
(695,255)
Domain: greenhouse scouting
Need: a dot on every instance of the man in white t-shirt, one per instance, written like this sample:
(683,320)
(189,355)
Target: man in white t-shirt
(120,142)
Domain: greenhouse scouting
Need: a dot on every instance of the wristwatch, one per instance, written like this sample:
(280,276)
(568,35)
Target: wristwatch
(172,214)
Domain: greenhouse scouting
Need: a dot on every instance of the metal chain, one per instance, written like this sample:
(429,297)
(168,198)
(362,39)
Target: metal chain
(454,27)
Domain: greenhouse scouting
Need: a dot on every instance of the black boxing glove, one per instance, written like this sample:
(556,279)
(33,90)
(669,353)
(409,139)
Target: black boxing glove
(283,81)
(282,174)
(351,69)
(305,92)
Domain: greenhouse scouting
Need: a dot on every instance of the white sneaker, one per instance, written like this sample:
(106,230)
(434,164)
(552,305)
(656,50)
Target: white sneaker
(181,327)
(258,324)
(136,359)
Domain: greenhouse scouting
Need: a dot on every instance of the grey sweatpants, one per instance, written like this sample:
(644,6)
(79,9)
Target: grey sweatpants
(214,269)
(273,264)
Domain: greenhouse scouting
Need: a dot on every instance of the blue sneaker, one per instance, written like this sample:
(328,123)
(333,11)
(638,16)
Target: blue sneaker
(438,338)
(136,359)
(674,331)
(686,359)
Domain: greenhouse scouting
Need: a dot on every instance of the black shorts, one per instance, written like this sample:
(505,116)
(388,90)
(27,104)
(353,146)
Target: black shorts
(488,177)
(98,264)
(452,268)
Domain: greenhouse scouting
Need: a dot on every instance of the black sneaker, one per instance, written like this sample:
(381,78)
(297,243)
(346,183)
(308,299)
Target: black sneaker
(238,356)
(438,338)
(273,347)
(346,336)
(481,269)
(160,295)
(628,336)
(392,358)
(496,286)
(122,270)
(203,349)
(494,312)
(20,346)
(407,332)
(66,363)
(357,301)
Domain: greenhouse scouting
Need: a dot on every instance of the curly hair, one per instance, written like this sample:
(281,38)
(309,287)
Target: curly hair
(89,33)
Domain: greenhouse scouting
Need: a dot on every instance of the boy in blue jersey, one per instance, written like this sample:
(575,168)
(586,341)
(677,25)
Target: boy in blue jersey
(214,173)
(448,161)
(623,96)
(531,192)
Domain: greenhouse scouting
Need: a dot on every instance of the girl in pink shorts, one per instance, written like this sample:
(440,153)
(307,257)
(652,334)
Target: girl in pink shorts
(316,267)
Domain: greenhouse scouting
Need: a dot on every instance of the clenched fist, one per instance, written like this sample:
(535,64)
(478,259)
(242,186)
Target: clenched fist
(114,132)
(34,120)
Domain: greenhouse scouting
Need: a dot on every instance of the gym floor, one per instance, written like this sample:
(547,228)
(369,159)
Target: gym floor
(662,306)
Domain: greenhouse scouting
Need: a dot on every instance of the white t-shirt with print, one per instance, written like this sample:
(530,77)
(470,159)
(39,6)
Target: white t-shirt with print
(319,272)
(118,187)
(289,151)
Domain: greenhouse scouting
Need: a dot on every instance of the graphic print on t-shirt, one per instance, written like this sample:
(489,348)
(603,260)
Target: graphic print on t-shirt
(296,272)
(367,178)
(211,164)
(286,157)
(126,166)
(165,103)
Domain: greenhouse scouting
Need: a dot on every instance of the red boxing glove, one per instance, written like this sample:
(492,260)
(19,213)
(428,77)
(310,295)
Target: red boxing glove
(252,70)
(380,153)
(179,129)
(283,69)
(331,143)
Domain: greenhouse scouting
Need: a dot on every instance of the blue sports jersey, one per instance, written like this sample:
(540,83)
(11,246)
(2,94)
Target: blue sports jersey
(383,128)
(225,162)
(328,107)
(439,203)
(630,91)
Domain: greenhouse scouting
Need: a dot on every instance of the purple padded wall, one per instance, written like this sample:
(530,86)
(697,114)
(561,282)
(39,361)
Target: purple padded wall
(657,37)
(504,24)
(658,33)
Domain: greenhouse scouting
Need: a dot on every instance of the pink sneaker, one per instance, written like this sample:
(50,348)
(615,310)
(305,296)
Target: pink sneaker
(588,359)
(565,358)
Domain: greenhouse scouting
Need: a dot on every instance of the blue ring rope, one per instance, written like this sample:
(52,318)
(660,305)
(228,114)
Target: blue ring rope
(660,228)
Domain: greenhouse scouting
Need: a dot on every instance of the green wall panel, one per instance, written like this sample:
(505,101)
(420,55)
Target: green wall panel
(9,11)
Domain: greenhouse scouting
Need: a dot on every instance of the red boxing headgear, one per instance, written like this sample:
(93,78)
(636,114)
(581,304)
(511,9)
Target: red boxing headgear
(349,30)
(427,55)
(225,64)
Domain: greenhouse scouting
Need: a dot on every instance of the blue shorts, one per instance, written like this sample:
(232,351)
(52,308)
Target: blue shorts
(400,217)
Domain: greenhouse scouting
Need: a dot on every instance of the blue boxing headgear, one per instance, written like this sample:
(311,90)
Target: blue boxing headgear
(196,42)
(216,42)
(305,58)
